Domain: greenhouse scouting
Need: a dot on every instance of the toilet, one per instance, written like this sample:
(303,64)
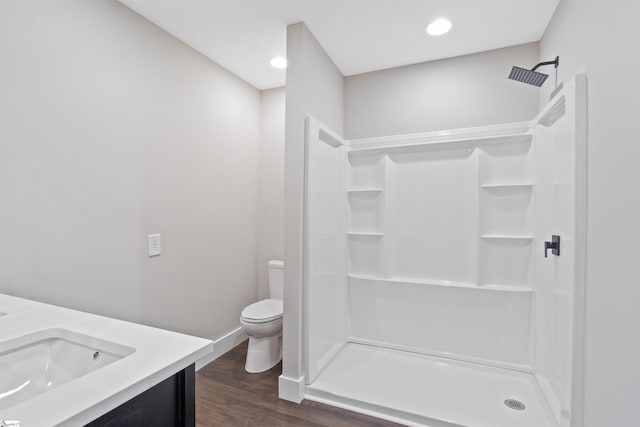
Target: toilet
(262,321)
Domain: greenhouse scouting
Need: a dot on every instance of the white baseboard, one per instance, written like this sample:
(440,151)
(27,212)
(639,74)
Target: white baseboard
(291,389)
(223,345)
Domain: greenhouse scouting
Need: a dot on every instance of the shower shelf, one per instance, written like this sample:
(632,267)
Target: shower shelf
(364,276)
(365,190)
(444,283)
(518,138)
(364,234)
(499,186)
(506,288)
(505,237)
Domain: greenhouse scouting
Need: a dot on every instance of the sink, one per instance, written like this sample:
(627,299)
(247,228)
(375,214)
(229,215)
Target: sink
(36,363)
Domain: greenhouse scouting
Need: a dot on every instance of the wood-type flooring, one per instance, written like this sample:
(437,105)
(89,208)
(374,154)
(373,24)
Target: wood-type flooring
(228,396)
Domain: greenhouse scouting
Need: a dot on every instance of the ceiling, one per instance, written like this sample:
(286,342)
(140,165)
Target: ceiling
(359,35)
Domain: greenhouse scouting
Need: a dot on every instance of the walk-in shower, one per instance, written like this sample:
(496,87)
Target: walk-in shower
(428,299)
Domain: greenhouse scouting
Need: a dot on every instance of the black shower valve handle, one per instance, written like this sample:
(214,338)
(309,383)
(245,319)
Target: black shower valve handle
(547,246)
(554,245)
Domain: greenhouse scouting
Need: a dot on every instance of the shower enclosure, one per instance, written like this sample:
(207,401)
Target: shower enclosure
(430,297)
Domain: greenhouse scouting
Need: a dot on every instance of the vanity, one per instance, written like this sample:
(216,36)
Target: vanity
(65,367)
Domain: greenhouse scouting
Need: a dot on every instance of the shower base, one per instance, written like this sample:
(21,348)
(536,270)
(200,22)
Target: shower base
(420,390)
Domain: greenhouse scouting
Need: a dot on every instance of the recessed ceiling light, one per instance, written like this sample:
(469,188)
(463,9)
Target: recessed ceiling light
(279,62)
(439,27)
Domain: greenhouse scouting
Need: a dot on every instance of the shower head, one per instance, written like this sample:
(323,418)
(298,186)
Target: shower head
(528,76)
(531,76)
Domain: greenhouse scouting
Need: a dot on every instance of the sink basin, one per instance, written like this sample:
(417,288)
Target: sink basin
(36,363)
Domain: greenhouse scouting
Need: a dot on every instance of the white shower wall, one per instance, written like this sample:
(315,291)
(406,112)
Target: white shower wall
(446,269)
(556,277)
(325,319)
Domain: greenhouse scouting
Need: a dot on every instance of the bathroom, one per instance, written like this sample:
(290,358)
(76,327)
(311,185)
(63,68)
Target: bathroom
(114,129)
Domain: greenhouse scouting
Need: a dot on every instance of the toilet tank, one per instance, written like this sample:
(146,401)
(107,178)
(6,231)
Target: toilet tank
(276,286)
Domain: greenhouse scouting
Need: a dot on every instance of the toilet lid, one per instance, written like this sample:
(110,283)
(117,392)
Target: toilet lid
(263,311)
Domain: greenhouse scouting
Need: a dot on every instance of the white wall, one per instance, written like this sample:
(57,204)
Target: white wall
(465,91)
(112,129)
(315,87)
(271,184)
(601,38)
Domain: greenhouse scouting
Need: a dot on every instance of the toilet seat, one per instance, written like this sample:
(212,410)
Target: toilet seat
(262,311)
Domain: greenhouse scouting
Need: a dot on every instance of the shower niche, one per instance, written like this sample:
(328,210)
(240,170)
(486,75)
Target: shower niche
(436,260)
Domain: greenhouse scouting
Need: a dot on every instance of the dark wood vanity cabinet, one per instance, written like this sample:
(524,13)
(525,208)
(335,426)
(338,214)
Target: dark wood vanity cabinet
(170,403)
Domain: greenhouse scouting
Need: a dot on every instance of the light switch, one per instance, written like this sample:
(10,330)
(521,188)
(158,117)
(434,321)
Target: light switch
(154,244)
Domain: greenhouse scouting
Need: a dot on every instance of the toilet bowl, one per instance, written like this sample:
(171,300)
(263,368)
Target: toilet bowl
(262,322)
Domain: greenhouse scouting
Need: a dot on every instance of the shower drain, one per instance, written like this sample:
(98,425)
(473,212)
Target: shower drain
(515,404)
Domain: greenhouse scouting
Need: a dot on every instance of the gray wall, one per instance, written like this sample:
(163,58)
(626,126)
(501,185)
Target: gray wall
(601,37)
(271,186)
(315,87)
(112,129)
(465,91)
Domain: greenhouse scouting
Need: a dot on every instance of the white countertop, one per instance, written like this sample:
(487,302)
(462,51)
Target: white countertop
(159,354)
